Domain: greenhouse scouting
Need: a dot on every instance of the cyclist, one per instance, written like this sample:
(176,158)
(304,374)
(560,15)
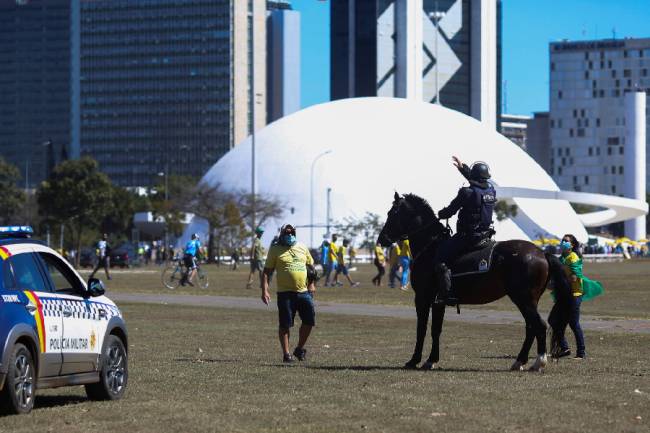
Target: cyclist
(192,249)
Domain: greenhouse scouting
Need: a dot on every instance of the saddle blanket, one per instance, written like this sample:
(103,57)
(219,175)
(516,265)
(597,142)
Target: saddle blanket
(476,261)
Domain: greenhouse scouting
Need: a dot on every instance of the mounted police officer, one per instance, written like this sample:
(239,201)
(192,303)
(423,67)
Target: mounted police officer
(475,205)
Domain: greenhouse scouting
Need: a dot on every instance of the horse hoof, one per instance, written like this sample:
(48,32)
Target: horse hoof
(429,366)
(517,366)
(540,363)
(411,365)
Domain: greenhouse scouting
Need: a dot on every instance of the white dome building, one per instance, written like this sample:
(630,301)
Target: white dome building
(381,145)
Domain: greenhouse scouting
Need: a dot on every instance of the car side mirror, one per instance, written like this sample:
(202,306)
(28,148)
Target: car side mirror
(96,287)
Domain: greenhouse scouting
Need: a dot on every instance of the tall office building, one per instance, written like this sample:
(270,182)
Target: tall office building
(283,59)
(538,140)
(166,84)
(588,122)
(515,128)
(445,51)
(36,87)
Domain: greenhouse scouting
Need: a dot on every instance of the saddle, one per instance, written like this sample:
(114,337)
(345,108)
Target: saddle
(477,260)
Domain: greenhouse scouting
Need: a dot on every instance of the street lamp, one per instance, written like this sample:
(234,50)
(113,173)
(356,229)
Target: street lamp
(436,15)
(311,197)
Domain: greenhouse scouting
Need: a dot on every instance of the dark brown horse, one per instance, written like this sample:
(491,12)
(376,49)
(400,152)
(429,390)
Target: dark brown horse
(519,270)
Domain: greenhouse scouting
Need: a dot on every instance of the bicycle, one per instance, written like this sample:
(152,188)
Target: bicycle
(173,274)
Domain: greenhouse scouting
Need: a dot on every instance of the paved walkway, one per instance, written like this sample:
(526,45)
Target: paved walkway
(482,316)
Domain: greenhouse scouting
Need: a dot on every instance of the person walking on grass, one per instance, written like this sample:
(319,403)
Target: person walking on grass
(380,264)
(190,253)
(405,262)
(332,261)
(393,261)
(342,267)
(103,256)
(582,289)
(257,258)
(293,264)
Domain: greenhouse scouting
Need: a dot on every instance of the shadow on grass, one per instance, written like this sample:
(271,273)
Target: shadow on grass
(399,368)
(46,401)
(498,357)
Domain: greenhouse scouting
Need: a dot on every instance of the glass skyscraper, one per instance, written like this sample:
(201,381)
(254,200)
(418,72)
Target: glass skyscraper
(158,85)
(35,85)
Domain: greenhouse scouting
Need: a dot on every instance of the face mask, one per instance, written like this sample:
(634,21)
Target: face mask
(564,245)
(289,240)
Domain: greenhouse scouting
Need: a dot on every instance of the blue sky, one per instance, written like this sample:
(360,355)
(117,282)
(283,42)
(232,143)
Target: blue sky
(528,27)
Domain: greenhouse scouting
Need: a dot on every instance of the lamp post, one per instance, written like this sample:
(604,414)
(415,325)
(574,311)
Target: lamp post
(311,197)
(436,15)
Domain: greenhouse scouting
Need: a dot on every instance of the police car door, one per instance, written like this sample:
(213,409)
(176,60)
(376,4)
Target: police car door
(79,342)
(25,284)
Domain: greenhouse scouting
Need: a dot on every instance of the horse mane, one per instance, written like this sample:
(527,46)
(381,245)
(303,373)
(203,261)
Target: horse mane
(422,208)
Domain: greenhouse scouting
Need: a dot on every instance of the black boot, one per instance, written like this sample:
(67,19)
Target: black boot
(443,280)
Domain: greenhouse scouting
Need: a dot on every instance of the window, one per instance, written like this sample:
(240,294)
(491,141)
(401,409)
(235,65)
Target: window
(613,73)
(613,169)
(582,112)
(627,73)
(559,94)
(587,122)
(625,53)
(591,65)
(586,55)
(571,132)
(586,75)
(580,132)
(613,189)
(586,180)
(60,274)
(568,151)
(598,151)
(617,83)
(552,66)
(609,63)
(591,152)
(609,151)
(620,150)
(559,123)
(26,273)
(620,169)
(613,141)
(598,122)
(559,171)
(559,151)
(575,180)
(644,72)
(575,113)
(552,123)
(8,281)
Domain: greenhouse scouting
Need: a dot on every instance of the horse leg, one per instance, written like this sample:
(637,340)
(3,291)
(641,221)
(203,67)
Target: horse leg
(437,316)
(539,327)
(522,358)
(422,306)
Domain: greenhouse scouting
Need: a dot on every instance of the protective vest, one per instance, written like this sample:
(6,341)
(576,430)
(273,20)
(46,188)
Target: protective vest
(475,215)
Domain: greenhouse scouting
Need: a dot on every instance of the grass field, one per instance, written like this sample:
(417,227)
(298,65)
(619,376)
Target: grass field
(627,286)
(200,369)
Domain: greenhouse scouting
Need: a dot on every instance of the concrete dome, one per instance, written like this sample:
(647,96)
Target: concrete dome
(382,145)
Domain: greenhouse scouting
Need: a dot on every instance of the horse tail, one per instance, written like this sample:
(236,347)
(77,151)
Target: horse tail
(558,318)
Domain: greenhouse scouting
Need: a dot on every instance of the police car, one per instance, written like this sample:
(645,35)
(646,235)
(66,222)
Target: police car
(55,329)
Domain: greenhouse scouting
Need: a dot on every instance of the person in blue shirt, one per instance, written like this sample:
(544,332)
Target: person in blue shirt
(192,250)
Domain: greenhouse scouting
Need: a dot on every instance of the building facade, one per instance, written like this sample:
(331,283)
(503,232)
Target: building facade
(589,81)
(166,85)
(374,52)
(515,128)
(36,91)
(538,140)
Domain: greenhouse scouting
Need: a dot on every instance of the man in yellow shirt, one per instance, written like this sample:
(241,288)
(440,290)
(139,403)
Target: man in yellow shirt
(380,264)
(290,260)
(342,267)
(257,257)
(332,263)
(393,260)
(405,262)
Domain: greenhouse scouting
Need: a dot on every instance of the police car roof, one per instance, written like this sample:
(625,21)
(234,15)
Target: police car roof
(10,240)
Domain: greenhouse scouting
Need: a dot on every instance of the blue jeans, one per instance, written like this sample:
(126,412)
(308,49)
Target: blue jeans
(574,323)
(327,270)
(392,275)
(405,262)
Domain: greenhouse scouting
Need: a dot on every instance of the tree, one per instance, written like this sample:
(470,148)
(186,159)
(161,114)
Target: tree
(119,219)
(12,199)
(78,195)
(368,227)
(172,205)
(504,210)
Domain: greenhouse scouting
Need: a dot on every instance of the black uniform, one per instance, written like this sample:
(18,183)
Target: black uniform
(475,206)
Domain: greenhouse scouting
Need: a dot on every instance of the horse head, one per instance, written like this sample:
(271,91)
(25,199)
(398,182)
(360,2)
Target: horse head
(409,215)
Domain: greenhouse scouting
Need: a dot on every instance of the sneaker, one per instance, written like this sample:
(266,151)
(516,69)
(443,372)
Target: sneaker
(579,357)
(404,288)
(356,284)
(300,353)
(287,359)
(563,353)
(339,284)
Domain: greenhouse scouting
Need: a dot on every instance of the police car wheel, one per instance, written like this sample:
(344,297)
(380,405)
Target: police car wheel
(114,372)
(17,396)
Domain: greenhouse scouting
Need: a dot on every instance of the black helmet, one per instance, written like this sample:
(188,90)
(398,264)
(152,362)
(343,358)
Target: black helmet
(480,171)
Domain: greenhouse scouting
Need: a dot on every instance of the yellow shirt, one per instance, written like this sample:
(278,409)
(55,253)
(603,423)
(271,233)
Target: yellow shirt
(379,253)
(394,255)
(341,254)
(576,286)
(333,252)
(405,250)
(290,264)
